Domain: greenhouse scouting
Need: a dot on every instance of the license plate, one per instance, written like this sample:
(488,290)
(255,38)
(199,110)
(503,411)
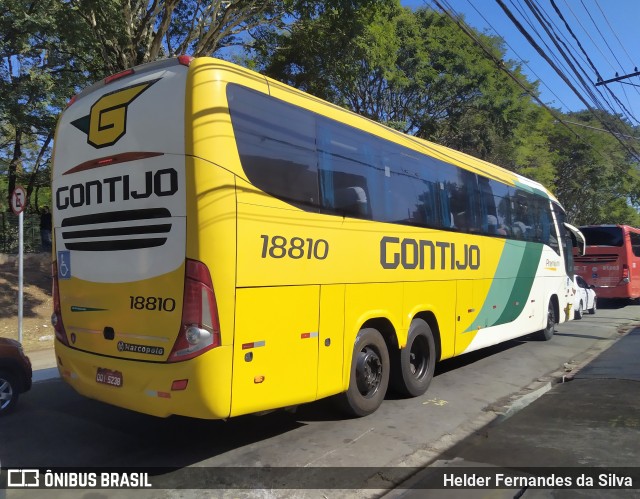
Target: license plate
(109,377)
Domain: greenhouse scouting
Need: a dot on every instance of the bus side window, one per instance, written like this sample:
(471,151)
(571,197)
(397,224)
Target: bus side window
(276,144)
(635,243)
(345,169)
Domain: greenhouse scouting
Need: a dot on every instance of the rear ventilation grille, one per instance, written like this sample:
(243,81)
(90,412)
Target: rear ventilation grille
(596,258)
(117,230)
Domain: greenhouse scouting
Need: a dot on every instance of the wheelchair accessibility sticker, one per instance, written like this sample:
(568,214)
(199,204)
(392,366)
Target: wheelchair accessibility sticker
(64,264)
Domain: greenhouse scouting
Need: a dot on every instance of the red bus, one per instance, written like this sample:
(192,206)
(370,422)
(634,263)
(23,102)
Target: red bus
(611,261)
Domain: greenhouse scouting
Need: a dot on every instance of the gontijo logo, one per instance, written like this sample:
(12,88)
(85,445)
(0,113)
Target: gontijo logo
(107,121)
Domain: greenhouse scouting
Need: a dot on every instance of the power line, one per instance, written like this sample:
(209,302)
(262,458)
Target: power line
(500,64)
(590,62)
(593,42)
(518,55)
(535,45)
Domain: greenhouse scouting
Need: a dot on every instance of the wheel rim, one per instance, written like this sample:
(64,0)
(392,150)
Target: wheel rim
(368,371)
(6,393)
(419,357)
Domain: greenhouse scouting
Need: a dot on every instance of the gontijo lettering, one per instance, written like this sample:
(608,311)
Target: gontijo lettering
(418,253)
(114,189)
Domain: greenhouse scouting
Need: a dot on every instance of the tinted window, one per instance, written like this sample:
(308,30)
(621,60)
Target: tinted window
(581,282)
(409,197)
(564,238)
(349,173)
(320,164)
(602,236)
(635,243)
(276,143)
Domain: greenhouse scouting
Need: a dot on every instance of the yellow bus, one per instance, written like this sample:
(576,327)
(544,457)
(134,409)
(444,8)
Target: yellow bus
(226,244)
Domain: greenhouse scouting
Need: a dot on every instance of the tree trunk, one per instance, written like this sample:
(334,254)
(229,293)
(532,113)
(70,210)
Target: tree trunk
(36,168)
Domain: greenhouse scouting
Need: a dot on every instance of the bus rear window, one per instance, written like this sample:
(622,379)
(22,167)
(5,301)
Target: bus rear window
(602,236)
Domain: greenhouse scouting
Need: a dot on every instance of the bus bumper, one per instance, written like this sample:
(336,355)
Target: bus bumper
(146,387)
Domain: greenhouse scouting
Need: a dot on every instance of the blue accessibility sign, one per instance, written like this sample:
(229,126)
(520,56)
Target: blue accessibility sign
(64,264)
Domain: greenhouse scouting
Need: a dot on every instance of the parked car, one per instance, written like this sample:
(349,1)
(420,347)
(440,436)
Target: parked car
(585,298)
(15,374)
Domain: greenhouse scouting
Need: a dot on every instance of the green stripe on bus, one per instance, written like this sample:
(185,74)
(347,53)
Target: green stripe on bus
(507,290)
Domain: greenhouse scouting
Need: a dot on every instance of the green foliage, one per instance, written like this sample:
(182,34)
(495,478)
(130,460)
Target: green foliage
(415,71)
(37,76)
(596,179)
(419,73)
(50,49)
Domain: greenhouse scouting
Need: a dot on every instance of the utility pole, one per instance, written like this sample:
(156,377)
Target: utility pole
(618,78)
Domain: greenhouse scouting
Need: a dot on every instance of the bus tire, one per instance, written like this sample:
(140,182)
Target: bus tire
(547,333)
(578,313)
(592,310)
(414,365)
(369,376)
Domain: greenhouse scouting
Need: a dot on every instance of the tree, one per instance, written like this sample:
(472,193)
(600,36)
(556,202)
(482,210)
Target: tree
(36,77)
(596,179)
(126,33)
(50,49)
(415,71)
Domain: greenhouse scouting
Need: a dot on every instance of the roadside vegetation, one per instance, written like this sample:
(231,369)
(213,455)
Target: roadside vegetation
(415,71)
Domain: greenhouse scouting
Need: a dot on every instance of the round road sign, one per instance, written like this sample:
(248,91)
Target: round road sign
(18,199)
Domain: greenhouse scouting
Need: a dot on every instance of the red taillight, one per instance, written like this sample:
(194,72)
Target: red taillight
(626,275)
(117,76)
(185,60)
(56,317)
(200,327)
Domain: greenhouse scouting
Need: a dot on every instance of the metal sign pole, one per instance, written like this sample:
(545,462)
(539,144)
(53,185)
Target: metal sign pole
(20,273)
(18,202)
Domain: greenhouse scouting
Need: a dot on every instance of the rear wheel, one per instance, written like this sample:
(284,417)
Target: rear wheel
(547,333)
(592,310)
(369,377)
(415,363)
(8,392)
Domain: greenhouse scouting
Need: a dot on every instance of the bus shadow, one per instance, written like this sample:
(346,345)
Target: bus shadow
(472,357)
(53,426)
(615,304)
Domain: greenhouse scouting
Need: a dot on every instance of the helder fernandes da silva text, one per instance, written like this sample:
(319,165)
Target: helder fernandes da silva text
(552,480)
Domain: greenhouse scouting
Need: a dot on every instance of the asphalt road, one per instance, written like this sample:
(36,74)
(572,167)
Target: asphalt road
(54,427)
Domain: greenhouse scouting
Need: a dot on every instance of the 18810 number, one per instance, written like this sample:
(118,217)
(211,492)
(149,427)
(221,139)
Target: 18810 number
(152,303)
(296,247)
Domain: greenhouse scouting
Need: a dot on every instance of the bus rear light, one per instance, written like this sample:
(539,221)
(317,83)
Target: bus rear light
(200,327)
(185,60)
(179,385)
(56,317)
(626,275)
(117,76)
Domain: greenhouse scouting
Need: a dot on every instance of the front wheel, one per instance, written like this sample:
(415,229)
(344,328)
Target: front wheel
(592,310)
(369,377)
(547,333)
(415,363)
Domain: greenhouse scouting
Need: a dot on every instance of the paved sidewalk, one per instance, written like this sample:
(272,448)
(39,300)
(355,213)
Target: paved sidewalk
(587,426)
(43,363)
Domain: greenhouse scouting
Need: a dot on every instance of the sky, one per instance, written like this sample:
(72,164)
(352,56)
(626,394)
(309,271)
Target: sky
(607,30)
